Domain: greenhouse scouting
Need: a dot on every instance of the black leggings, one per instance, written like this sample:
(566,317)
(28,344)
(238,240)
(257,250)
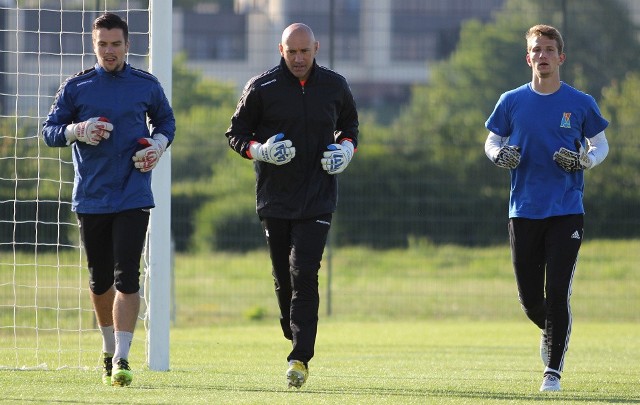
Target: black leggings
(296,248)
(547,249)
(113,244)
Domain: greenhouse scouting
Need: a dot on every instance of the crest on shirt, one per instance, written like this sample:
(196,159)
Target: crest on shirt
(566,120)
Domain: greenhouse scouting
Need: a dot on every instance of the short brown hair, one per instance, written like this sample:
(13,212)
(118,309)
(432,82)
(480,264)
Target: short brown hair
(111,21)
(549,32)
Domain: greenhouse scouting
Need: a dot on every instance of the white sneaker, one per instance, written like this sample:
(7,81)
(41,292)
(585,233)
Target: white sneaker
(544,348)
(550,382)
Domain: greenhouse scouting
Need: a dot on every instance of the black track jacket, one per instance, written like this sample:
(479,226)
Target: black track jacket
(312,117)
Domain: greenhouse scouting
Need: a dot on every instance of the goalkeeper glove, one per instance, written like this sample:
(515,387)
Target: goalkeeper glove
(508,157)
(146,159)
(276,150)
(91,131)
(571,161)
(337,157)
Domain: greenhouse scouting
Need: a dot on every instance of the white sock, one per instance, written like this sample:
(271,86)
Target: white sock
(108,339)
(123,343)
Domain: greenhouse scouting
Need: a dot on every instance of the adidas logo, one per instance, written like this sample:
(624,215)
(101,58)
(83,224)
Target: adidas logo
(575,235)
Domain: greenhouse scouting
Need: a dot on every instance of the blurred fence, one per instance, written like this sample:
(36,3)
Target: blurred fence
(425,75)
(420,177)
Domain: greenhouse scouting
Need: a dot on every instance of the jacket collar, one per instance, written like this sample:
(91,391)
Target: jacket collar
(126,70)
(290,76)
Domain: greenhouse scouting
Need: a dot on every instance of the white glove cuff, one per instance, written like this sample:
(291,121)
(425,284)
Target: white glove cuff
(254,150)
(70,133)
(348,148)
(163,140)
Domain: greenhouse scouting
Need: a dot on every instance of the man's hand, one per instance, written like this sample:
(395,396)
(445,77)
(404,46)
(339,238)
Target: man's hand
(146,159)
(508,157)
(91,131)
(571,161)
(276,150)
(337,157)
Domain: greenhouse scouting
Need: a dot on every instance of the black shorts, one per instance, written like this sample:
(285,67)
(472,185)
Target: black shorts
(113,244)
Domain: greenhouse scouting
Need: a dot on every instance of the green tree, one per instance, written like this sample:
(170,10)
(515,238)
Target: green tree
(614,186)
(434,177)
(203,108)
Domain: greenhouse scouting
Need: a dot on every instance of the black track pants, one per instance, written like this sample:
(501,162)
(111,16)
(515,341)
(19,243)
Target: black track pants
(544,254)
(296,248)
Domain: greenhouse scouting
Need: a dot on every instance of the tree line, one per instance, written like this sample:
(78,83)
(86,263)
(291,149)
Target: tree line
(424,175)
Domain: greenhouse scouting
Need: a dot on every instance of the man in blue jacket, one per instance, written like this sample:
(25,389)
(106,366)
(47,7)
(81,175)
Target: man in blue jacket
(102,114)
(298,122)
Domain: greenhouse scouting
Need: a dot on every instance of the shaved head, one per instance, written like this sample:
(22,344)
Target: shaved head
(297,29)
(299,47)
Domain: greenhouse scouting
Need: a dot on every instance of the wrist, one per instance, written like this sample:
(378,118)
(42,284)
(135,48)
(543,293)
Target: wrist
(348,147)
(162,140)
(253,151)
(70,133)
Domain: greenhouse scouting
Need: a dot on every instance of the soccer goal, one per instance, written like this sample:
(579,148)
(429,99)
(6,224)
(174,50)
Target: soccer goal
(46,318)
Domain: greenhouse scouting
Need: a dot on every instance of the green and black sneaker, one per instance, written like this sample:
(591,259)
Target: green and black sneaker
(107,367)
(122,375)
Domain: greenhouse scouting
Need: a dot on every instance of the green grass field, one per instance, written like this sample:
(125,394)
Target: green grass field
(425,325)
(357,362)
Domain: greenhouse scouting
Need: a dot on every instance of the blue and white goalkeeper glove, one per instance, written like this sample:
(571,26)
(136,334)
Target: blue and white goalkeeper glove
(146,159)
(276,150)
(571,161)
(337,157)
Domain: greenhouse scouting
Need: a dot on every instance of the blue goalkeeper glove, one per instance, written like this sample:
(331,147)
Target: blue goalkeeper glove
(337,157)
(276,150)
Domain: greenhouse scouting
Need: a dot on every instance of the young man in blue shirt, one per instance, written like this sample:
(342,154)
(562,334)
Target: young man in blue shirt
(547,134)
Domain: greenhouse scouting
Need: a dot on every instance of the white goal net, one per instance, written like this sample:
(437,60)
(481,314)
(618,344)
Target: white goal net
(46,317)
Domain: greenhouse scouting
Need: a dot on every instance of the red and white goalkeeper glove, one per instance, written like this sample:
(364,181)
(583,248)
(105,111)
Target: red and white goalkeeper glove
(146,159)
(91,131)
(337,157)
(276,150)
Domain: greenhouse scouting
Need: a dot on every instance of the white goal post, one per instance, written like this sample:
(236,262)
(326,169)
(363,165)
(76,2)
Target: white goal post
(46,318)
(160,226)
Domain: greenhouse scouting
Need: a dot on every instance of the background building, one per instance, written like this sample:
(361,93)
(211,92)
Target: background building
(381,46)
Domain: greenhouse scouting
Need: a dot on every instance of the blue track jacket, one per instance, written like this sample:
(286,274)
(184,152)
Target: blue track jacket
(106,180)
